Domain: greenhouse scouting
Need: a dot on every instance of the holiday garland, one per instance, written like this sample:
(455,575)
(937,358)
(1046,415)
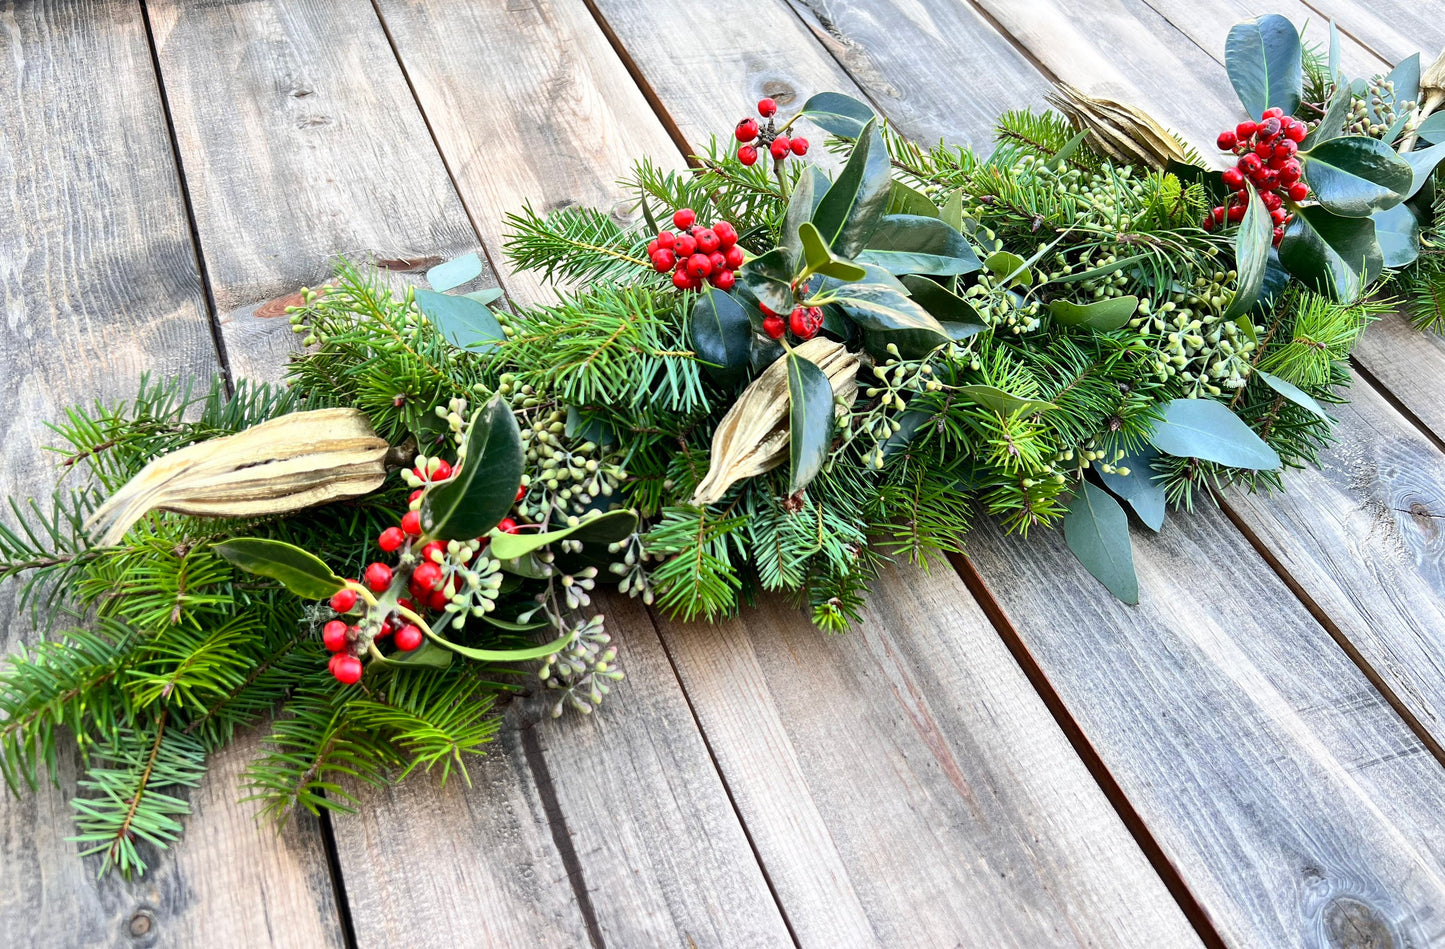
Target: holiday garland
(800,379)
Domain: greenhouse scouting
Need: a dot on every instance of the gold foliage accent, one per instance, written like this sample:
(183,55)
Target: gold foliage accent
(1121,131)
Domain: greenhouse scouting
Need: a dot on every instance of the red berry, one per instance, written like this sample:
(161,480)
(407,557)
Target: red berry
(1285,149)
(767,108)
(408,638)
(1278,235)
(663,260)
(684,280)
(391,539)
(439,470)
(1290,172)
(779,148)
(727,235)
(799,146)
(718,261)
(665,240)
(1236,214)
(507,526)
(415,496)
(804,322)
(767,310)
(698,266)
(521,492)
(1208,224)
(773,325)
(733,257)
(1298,191)
(1270,127)
(1233,179)
(683,218)
(1226,140)
(1250,164)
(1264,149)
(346,668)
(333,635)
(427,575)
(1272,113)
(437,600)
(343,600)
(1271,200)
(747,130)
(1278,215)
(406,603)
(686,246)
(748,155)
(388,626)
(1269,179)
(377,577)
(707,240)
(434,551)
(1218,214)
(1244,130)
(411,523)
(652,246)
(722,279)
(1296,133)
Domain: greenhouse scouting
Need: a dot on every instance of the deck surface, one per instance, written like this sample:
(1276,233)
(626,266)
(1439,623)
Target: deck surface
(999,755)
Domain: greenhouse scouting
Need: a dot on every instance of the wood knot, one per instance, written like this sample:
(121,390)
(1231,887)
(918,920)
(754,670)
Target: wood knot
(1354,924)
(780,91)
(140,924)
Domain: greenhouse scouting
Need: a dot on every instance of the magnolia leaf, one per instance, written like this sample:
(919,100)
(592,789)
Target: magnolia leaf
(810,420)
(905,200)
(889,316)
(1332,254)
(465,323)
(608,528)
(1422,162)
(721,334)
(957,316)
(1004,403)
(767,277)
(1104,315)
(479,495)
(299,571)
(853,207)
(1292,392)
(454,273)
(1263,59)
(1332,125)
(1097,531)
(819,259)
(1208,430)
(1398,231)
(1010,269)
(1139,487)
(911,244)
(426,656)
(807,194)
(1356,176)
(838,114)
(1252,243)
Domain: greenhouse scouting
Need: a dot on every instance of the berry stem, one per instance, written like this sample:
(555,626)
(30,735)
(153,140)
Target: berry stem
(782,178)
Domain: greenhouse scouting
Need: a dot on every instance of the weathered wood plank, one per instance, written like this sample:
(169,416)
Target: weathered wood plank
(1391,29)
(100,285)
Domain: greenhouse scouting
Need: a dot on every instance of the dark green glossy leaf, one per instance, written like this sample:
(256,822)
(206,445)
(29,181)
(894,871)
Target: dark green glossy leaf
(594,430)
(484,490)
(957,316)
(802,205)
(1104,315)
(888,316)
(1252,243)
(1331,254)
(853,207)
(1208,430)
(1097,531)
(910,244)
(1332,125)
(1398,231)
(767,279)
(1004,403)
(838,114)
(454,273)
(1276,279)
(299,571)
(608,528)
(465,323)
(1210,179)
(721,334)
(908,425)
(1139,487)
(905,200)
(810,420)
(1292,392)
(819,259)
(1356,176)
(1263,57)
(1422,163)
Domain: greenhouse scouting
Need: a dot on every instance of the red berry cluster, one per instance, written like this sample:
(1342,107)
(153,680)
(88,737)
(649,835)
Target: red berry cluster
(1266,151)
(752,137)
(804,322)
(698,253)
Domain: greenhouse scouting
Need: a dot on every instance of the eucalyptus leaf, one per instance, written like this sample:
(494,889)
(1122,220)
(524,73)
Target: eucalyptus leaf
(1433,128)
(1422,163)
(299,571)
(1292,392)
(1010,269)
(810,420)
(1332,254)
(464,322)
(1097,531)
(454,272)
(1263,59)
(481,493)
(1139,488)
(910,244)
(485,297)
(905,200)
(1208,430)
(1334,57)
(1397,230)
(1004,403)
(888,316)
(853,207)
(1405,80)
(838,114)
(608,528)
(721,335)
(819,259)
(1252,243)
(1104,315)
(1356,176)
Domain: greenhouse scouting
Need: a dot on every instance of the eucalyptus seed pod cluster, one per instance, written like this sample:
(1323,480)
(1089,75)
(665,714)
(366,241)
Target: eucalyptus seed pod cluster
(1001,308)
(896,382)
(564,473)
(582,672)
(1196,344)
(1375,113)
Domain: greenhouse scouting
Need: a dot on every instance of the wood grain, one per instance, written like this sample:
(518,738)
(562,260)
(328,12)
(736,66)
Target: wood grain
(99,286)
(1392,29)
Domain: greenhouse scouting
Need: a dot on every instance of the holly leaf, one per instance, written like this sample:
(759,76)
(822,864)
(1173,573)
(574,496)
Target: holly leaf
(1208,430)
(889,316)
(1292,392)
(807,195)
(838,114)
(464,322)
(810,420)
(1004,403)
(1331,254)
(1263,59)
(819,259)
(767,277)
(477,498)
(1103,315)
(1355,176)
(1332,125)
(908,425)
(721,334)
(454,272)
(1398,231)
(912,244)
(609,528)
(1252,243)
(1097,531)
(299,571)
(1139,488)
(853,207)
